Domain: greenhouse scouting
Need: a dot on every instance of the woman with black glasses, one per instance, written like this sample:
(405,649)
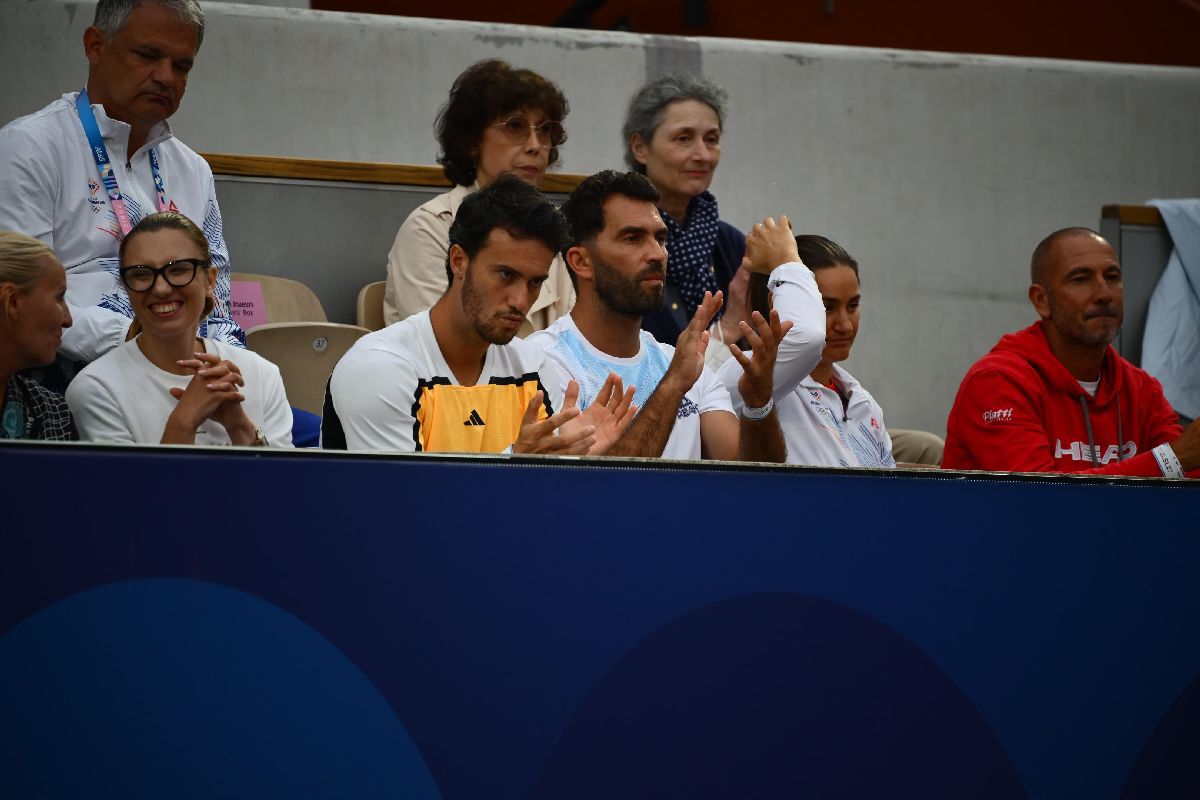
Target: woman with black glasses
(497,120)
(165,384)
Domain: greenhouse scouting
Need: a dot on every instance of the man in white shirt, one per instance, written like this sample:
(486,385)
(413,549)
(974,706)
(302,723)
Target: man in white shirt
(82,171)
(454,378)
(617,261)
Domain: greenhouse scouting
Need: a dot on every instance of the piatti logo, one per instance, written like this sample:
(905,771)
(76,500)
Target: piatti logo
(999,415)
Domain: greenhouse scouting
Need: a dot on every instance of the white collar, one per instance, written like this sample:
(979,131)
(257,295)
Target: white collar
(117,132)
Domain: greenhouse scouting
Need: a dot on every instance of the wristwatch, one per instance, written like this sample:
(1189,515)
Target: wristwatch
(259,439)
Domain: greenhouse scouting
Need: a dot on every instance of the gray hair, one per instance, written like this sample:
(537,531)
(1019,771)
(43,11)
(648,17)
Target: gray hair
(649,104)
(111,14)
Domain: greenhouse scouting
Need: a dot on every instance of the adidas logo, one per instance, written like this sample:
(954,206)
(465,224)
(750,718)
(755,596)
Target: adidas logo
(474,419)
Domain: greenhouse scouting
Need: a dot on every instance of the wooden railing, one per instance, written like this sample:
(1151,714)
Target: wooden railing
(1133,215)
(312,169)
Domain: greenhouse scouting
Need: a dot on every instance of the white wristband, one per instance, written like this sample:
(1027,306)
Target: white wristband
(756,414)
(1168,462)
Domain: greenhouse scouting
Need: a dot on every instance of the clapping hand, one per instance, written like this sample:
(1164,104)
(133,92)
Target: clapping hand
(758,369)
(544,436)
(609,414)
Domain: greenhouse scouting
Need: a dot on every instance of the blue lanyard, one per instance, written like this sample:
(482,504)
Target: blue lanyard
(87,118)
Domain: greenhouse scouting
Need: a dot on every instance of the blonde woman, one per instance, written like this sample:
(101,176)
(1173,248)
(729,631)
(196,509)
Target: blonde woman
(33,314)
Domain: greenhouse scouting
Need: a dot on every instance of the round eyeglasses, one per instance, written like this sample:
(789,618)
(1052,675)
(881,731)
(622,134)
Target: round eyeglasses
(177,273)
(549,133)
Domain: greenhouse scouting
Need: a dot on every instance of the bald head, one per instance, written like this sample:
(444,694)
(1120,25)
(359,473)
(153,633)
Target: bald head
(1044,255)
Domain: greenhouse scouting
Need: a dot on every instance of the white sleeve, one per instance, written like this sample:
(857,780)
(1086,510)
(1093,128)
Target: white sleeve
(712,394)
(729,374)
(554,380)
(28,192)
(554,374)
(94,331)
(27,186)
(373,394)
(276,423)
(98,415)
(794,294)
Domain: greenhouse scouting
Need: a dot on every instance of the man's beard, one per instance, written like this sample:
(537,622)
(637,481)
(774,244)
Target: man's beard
(629,296)
(490,329)
(1078,332)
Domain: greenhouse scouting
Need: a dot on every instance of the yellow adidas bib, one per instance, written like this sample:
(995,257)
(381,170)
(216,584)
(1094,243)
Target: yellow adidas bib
(473,419)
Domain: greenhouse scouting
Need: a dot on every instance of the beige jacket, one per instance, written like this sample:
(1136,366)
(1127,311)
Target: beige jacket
(416,269)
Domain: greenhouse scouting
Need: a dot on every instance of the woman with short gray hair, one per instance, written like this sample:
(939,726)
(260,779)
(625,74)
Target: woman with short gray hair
(672,135)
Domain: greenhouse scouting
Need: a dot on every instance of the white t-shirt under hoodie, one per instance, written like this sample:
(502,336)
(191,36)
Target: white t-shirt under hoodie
(122,397)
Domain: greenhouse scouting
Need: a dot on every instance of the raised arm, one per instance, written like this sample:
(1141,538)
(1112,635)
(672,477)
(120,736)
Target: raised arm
(647,435)
(755,434)
(771,251)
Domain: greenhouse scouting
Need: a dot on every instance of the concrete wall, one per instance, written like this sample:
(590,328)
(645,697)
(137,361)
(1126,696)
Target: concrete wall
(939,173)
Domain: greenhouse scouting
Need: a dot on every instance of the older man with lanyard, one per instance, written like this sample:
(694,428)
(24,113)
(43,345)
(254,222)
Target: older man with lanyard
(82,171)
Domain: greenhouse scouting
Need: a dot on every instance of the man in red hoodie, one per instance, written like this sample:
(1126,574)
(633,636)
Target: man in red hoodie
(1056,397)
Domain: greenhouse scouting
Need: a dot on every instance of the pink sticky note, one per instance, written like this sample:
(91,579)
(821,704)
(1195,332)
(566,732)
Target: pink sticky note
(249,307)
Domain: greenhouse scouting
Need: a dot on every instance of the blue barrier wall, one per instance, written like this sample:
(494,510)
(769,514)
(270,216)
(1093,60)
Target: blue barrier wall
(240,623)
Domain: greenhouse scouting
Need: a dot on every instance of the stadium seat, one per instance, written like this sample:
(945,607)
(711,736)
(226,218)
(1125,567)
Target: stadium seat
(305,353)
(370,306)
(286,300)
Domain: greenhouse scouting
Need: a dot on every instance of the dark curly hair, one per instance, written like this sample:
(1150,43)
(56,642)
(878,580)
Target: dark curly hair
(485,91)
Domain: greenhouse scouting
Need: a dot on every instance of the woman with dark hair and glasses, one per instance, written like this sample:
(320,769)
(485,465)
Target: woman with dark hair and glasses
(165,384)
(497,120)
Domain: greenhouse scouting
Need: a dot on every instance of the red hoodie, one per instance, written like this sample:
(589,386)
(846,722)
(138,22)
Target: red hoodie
(1020,410)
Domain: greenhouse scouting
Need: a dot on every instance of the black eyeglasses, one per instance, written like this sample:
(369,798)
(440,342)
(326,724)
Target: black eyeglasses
(177,273)
(549,133)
